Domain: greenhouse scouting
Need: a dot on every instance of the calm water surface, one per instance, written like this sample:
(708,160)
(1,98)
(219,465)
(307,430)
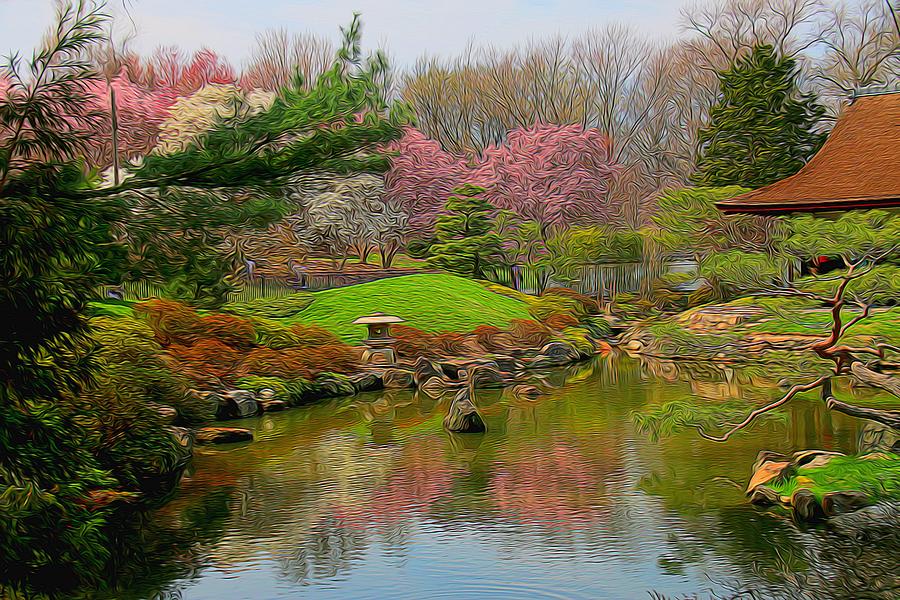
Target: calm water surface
(369,498)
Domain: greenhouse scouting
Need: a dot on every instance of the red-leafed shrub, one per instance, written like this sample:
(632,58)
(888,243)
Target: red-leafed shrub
(172,322)
(332,358)
(412,343)
(286,363)
(529,334)
(449,344)
(228,329)
(313,335)
(558,322)
(486,336)
(207,361)
(291,363)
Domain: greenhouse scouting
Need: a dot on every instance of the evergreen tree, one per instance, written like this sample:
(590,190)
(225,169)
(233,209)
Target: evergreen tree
(466,241)
(63,233)
(762,129)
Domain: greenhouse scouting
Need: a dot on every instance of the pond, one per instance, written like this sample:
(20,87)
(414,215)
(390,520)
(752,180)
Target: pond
(368,497)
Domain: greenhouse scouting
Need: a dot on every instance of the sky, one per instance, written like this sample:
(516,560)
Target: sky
(409,29)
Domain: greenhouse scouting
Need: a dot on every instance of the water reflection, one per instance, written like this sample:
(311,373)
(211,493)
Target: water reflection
(369,497)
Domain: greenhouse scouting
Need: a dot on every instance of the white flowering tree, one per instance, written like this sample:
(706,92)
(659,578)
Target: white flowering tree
(348,216)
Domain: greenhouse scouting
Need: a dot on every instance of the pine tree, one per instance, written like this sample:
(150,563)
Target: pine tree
(466,242)
(762,130)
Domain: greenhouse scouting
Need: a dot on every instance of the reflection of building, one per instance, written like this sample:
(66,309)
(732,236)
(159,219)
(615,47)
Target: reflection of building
(857,168)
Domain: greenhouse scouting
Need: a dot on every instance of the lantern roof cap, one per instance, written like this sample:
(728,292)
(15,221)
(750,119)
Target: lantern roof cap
(377,319)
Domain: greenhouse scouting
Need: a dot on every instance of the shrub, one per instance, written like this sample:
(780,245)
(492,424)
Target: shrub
(579,338)
(298,362)
(313,335)
(293,390)
(172,322)
(257,383)
(275,335)
(486,336)
(412,342)
(234,331)
(530,334)
(449,344)
(598,327)
(559,321)
(133,366)
(544,307)
(207,362)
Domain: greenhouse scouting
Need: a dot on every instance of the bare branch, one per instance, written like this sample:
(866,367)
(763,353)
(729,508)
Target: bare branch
(769,407)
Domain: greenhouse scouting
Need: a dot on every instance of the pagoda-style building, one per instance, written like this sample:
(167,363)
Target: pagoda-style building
(858,167)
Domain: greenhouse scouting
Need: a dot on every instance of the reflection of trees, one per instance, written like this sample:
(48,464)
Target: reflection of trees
(552,485)
(323,488)
(777,559)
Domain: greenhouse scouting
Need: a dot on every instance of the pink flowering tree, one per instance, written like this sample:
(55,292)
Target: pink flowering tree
(421,178)
(550,174)
(139,114)
(547,174)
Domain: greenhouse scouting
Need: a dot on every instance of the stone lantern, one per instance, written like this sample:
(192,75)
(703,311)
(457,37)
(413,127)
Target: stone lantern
(379,344)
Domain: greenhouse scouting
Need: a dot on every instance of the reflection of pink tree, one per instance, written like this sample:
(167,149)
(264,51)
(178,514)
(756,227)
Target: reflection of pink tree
(552,487)
(420,478)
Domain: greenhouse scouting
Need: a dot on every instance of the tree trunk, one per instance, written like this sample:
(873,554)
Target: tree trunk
(875,379)
(114,118)
(891,418)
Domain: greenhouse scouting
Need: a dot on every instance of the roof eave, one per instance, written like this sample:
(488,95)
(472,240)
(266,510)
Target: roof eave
(736,206)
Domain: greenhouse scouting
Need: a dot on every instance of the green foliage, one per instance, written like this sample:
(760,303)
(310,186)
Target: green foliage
(74,419)
(879,286)
(598,327)
(734,273)
(570,249)
(877,477)
(763,129)
(687,221)
(335,125)
(466,243)
(851,235)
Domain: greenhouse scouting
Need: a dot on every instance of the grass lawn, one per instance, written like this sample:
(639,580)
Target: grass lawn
(431,302)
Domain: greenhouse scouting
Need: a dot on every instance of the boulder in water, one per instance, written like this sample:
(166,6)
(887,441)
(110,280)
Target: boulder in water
(222,435)
(839,503)
(463,416)
(241,403)
(805,506)
(366,382)
(875,437)
(526,392)
(425,370)
(397,378)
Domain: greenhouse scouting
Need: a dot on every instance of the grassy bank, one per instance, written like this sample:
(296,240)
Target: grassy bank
(876,475)
(430,302)
(704,332)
